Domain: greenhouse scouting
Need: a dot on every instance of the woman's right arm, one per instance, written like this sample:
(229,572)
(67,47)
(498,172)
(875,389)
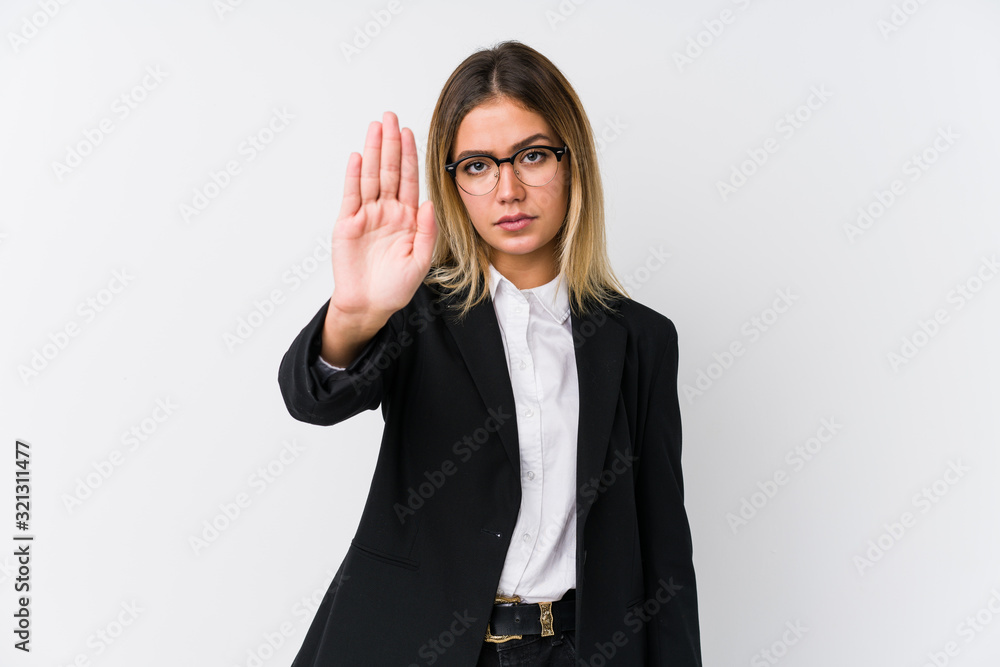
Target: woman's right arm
(381,251)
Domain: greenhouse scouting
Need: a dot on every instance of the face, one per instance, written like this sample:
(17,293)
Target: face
(499,129)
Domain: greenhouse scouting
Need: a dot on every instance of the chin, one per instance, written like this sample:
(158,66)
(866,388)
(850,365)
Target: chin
(519,246)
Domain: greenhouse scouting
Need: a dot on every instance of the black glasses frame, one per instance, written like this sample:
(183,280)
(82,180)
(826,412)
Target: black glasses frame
(451,167)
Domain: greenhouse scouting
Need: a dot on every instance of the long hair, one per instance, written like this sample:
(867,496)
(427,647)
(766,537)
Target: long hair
(514,71)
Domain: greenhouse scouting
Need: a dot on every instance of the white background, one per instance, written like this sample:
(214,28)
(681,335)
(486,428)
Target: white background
(670,131)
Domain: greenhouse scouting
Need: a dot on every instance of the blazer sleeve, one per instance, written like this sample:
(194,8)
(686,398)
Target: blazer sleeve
(325,398)
(665,535)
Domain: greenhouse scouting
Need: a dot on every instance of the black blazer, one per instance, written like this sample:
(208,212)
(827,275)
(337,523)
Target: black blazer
(418,581)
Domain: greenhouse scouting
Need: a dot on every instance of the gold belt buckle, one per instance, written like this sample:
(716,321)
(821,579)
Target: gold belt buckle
(498,639)
(546,619)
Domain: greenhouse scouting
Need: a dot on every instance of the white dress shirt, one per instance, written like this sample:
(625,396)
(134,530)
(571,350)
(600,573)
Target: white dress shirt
(536,329)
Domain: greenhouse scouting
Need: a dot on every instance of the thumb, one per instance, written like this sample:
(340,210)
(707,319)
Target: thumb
(426,235)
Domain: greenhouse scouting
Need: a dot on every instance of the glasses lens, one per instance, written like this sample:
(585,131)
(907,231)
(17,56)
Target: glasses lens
(478,176)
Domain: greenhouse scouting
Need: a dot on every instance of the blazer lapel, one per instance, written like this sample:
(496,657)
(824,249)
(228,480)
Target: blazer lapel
(599,342)
(478,339)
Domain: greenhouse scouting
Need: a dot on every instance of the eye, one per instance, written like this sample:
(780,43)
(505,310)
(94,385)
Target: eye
(475,167)
(534,157)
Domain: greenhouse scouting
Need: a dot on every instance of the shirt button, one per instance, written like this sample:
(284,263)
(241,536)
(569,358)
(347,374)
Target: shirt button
(523,365)
(527,537)
(529,412)
(531,475)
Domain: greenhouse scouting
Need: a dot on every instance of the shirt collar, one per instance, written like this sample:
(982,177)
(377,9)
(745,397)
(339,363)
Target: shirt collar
(553,295)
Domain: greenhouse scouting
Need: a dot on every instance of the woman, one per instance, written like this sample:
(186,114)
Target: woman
(527,503)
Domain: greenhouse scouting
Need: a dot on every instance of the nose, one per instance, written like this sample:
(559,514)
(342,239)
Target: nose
(509,186)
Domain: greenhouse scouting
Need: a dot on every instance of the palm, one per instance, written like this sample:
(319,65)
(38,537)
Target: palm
(382,242)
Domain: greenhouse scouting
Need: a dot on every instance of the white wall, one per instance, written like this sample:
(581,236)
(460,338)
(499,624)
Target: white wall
(672,132)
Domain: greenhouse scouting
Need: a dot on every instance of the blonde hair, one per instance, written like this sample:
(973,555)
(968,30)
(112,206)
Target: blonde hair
(514,71)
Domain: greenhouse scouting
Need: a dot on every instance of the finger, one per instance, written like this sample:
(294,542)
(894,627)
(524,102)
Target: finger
(369,163)
(409,185)
(352,187)
(389,172)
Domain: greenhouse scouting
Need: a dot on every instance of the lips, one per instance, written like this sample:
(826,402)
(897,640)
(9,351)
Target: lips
(514,218)
(515,225)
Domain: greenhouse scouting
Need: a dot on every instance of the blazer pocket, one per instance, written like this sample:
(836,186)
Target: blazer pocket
(391,559)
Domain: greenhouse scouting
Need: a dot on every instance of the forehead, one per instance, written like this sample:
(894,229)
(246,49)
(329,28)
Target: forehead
(497,126)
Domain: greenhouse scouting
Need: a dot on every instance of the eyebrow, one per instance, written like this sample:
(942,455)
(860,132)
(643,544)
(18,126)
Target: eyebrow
(513,149)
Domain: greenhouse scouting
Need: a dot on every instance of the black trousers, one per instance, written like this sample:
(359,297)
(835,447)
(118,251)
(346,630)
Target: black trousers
(531,651)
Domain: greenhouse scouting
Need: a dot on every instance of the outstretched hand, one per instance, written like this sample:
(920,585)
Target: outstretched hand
(383,242)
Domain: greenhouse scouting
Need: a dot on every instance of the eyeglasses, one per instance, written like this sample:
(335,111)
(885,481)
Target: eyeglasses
(533,165)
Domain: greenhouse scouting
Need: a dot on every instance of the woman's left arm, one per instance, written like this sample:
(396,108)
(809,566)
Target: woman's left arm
(664,533)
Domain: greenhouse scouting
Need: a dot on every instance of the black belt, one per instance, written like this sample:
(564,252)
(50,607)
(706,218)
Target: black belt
(512,619)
